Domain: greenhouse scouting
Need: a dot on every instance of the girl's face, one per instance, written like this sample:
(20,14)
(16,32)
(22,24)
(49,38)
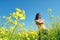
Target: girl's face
(39,16)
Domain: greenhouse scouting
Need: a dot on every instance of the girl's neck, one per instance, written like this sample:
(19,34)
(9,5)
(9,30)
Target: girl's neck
(39,18)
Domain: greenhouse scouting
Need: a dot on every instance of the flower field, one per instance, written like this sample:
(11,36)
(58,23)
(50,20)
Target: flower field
(17,32)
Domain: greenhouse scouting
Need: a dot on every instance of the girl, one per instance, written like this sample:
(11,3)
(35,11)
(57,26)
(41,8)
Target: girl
(39,21)
(40,25)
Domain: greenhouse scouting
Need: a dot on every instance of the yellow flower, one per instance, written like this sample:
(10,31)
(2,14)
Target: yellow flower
(9,19)
(13,14)
(5,38)
(22,15)
(18,10)
(28,38)
(20,25)
(17,14)
(2,32)
(33,33)
(2,29)
(1,38)
(15,22)
(16,17)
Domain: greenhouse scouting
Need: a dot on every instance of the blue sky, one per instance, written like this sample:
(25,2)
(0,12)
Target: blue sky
(31,7)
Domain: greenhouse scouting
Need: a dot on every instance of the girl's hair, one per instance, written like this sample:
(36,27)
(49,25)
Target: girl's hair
(37,16)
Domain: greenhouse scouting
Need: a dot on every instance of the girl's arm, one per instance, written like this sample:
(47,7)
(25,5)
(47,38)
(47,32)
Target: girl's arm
(40,22)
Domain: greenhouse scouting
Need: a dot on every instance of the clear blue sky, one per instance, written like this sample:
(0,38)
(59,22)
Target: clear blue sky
(31,7)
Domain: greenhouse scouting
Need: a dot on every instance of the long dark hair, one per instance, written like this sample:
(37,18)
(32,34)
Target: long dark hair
(37,16)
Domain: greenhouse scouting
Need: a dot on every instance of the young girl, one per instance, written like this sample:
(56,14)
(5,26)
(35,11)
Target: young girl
(40,25)
(39,21)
